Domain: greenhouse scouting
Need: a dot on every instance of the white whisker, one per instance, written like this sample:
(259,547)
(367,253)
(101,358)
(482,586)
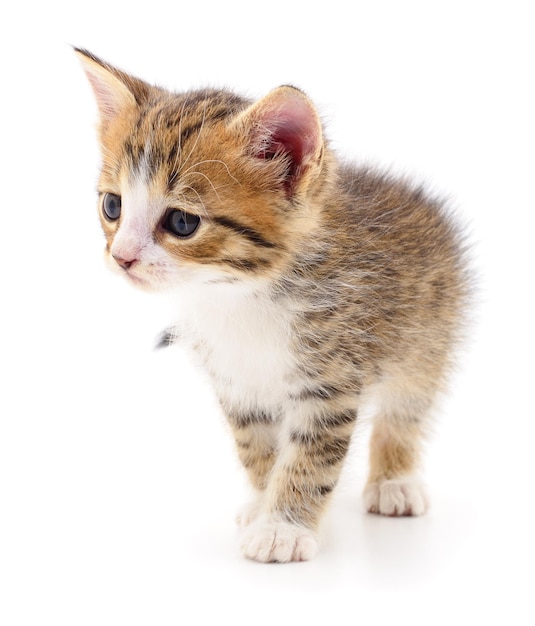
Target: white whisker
(176,165)
(196,173)
(213,161)
(198,196)
(196,138)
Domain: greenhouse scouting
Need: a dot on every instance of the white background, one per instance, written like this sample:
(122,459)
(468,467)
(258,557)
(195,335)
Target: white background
(118,478)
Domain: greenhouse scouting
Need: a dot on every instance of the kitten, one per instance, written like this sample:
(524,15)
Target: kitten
(304,283)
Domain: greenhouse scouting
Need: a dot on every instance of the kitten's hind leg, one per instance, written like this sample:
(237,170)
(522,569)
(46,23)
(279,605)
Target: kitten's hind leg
(393,486)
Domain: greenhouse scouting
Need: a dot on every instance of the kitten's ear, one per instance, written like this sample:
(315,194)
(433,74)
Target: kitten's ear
(285,123)
(115,91)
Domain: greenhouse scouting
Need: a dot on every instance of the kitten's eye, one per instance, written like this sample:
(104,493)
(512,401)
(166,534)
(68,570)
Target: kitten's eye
(111,205)
(181,224)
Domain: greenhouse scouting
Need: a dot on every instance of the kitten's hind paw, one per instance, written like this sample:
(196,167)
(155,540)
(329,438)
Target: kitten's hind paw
(396,497)
(278,542)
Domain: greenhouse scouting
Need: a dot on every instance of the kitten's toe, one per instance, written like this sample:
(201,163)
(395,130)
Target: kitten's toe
(278,542)
(247,514)
(396,497)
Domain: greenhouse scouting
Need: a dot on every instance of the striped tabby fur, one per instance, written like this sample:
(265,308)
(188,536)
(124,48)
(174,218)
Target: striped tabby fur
(306,285)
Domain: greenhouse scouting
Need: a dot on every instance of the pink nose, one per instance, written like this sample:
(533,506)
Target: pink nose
(124,263)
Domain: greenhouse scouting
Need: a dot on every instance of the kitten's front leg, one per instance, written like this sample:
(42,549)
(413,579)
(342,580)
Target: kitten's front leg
(256,435)
(312,448)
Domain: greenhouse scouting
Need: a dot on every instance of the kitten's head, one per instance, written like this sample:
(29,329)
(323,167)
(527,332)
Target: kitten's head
(205,185)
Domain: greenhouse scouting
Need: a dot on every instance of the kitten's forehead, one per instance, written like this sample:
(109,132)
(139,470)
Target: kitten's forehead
(166,130)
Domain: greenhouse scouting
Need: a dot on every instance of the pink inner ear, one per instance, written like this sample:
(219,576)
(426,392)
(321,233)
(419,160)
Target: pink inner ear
(111,94)
(288,139)
(294,130)
(106,99)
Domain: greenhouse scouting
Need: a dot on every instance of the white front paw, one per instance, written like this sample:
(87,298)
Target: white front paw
(396,497)
(278,542)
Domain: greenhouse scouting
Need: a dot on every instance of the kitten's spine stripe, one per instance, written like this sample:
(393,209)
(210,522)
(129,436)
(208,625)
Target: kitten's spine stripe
(250,234)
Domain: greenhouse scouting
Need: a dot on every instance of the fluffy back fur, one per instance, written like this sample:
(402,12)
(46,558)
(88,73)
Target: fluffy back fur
(303,283)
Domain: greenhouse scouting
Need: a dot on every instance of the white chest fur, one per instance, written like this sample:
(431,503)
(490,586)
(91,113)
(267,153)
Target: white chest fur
(243,339)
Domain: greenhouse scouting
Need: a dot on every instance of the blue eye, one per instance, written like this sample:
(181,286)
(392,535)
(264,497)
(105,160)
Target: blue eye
(111,206)
(181,224)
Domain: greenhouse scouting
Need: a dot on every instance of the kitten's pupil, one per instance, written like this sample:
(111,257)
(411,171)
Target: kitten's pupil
(181,224)
(111,206)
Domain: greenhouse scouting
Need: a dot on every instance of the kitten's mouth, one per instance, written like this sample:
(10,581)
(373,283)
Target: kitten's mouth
(136,280)
(150,283)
